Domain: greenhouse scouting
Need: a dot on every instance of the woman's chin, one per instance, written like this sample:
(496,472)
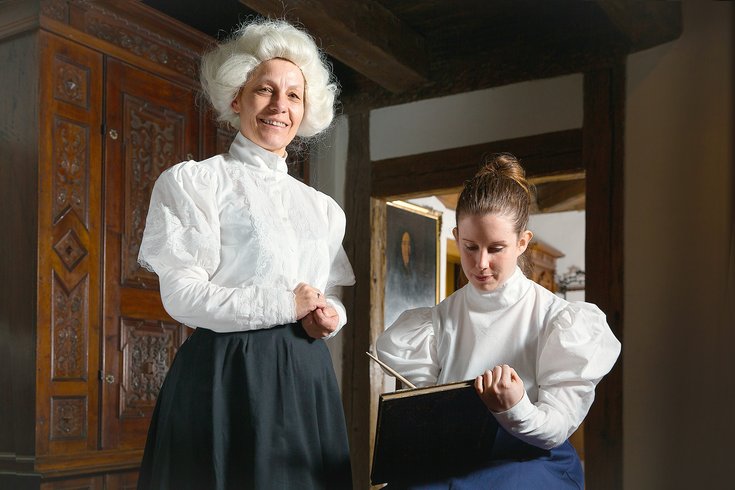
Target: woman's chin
(484,284)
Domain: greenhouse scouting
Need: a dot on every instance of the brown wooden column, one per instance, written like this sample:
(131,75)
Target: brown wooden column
(356,378)
(602,150)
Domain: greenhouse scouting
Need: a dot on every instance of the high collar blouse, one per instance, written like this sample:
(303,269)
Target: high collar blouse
(560,350)
(232,236)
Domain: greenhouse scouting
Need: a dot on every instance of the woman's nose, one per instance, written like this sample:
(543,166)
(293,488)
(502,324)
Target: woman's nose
(278,103)
(484,261)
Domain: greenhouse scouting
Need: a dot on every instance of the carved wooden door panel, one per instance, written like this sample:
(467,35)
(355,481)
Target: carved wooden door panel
(69,309)
(150,125)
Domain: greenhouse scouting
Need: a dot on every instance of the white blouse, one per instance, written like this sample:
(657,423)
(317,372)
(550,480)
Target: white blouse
(230,238)
(560,350)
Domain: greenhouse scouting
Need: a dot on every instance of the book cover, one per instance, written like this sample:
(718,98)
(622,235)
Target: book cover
(425,433)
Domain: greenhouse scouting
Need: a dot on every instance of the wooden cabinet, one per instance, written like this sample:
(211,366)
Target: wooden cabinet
(98,98)
(542,258)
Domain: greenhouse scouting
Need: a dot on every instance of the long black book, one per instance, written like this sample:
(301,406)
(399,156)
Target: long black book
(431,432)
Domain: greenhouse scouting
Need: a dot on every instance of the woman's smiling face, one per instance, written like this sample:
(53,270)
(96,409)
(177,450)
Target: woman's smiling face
(271,104)
(489,249)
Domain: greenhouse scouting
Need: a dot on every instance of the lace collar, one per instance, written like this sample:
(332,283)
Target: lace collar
(505,295)
(254,156)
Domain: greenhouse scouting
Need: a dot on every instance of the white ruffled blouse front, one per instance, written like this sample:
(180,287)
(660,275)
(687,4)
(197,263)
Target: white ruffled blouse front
(230,238)
(560,350)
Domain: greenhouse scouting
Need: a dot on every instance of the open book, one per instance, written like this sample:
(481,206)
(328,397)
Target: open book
(431,432)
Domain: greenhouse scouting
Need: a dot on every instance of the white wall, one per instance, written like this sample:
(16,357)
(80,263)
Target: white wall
(512,111)
(679,346)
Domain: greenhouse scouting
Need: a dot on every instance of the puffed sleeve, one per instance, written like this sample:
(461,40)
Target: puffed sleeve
(181,244)
(340,270)
(578,349)
(182,226)
(409,347)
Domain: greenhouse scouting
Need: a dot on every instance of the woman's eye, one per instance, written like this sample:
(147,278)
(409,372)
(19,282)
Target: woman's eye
(495,250)
(471,248)
(295,96)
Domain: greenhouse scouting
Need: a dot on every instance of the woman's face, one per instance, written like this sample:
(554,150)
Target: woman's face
(489,249)
(271,104)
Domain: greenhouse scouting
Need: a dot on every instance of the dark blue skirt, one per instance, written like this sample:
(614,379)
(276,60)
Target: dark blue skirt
(248,410)
(513,465)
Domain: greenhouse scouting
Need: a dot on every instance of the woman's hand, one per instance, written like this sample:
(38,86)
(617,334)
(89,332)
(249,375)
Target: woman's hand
(308,299)
(320,322)
(500,388)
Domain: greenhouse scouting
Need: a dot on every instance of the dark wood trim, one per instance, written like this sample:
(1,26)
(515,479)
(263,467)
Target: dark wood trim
(604,103)
(426,173)
(356,373)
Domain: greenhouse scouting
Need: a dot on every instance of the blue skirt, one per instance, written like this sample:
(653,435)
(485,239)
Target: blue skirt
(513,465)
(248,410)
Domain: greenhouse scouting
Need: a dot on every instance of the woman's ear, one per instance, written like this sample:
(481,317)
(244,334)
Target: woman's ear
(524,239)
(456,234)
(236,106)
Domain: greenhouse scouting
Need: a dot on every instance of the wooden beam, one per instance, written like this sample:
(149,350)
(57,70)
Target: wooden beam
(436,172)
(604,107)
(356,335)
(363,35)
(553,197)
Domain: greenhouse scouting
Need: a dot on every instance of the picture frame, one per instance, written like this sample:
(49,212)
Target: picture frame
(412,258)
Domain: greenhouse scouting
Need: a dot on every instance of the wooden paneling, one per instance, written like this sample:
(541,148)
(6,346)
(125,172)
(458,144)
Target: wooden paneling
(69,245)
(150,125)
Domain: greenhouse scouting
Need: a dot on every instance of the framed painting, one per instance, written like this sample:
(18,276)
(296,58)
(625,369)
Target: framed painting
(412,258)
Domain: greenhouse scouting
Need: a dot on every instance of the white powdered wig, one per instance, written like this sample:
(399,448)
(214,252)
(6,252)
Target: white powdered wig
(226,68)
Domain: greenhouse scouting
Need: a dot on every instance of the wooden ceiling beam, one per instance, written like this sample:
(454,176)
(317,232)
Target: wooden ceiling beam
(363,35)
(561,196)
(437,172)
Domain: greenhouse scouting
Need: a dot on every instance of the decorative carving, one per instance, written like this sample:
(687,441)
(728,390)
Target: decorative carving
(55,9)
(71,167)
(154,143)
(71,82)
(148,348)
(68,417)
(70,250)
(140,42)
(69,330)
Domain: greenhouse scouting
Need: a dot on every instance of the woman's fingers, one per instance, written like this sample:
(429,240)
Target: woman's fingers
(307,299)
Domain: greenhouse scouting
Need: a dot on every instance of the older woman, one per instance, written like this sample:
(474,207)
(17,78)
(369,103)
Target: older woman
(252,259)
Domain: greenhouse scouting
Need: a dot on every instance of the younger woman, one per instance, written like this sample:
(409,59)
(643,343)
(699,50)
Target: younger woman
(535,357)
